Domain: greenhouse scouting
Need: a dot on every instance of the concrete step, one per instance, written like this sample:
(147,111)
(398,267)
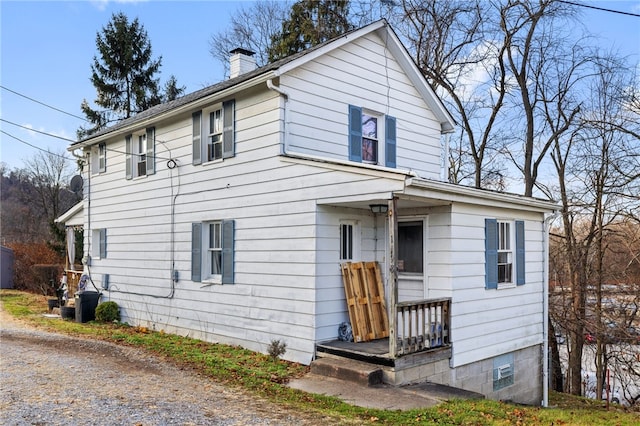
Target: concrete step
(348,369)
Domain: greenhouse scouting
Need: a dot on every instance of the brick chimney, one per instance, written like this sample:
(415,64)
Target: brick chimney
(241,62)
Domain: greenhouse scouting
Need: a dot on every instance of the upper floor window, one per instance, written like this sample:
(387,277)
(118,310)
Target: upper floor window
(214,143)
(214,133)
(504,253)
(140,153)
(99,158)
(372,137)
(369,139)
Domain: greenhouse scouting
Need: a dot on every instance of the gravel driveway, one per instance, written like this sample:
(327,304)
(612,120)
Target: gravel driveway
(51,379)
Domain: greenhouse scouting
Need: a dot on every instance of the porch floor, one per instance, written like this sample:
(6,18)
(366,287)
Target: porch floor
(375,351)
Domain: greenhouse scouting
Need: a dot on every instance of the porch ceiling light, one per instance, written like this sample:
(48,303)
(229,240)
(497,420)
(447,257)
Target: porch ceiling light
(378,208)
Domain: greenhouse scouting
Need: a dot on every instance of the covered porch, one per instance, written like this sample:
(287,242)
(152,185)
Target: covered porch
(416,330)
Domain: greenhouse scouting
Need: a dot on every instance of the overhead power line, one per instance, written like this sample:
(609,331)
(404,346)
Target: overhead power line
(34,146)
(599,8)
(39,131)
(42,103)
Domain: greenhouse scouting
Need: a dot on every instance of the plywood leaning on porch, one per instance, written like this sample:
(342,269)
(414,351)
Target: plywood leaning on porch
(365,300)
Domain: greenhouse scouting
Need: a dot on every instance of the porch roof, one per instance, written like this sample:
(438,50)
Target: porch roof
(72,217)
(420,193)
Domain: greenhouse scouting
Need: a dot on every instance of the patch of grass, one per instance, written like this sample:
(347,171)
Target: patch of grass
(266,376)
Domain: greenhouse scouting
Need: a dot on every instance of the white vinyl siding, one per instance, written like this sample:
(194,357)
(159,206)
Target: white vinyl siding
(321,91)
(511,316)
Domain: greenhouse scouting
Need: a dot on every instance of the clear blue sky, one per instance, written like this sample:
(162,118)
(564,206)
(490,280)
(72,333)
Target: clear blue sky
(47,48)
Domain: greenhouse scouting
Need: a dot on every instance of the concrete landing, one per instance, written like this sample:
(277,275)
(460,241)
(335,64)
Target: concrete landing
(383,396)
(350,370)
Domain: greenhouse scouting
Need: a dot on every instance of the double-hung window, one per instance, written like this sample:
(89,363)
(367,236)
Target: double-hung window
(504,253)
(213,264)
(214,142)
(372,137)
(214,133)
(99,243)
(140,153)
(212,252)
(99,158)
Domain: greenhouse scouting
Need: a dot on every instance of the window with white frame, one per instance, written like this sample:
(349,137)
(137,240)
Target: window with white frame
(372,137)
(213,259)
(214,140)
(504,253)
(212,252)
(99,158)
(369,138)
(99,243)
(102,157)
(349,240)
(140,153)
(411,247)
(213,137)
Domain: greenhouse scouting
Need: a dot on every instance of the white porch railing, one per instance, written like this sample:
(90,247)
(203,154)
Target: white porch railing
(421,325)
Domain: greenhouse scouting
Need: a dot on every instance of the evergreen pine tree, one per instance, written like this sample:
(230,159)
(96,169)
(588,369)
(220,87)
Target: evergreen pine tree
(123,73)
(311,22)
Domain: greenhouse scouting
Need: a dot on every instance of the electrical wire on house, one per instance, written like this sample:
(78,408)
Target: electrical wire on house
(172,164)
(157,157)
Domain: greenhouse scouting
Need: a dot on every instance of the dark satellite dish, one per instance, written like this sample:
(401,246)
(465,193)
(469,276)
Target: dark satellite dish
(76,184)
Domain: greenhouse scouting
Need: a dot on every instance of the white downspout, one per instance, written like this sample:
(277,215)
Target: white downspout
(283,145)
(444,172)
(545,310)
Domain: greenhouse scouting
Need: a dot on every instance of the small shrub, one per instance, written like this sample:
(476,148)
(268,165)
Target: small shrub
(276,348)
(108,312)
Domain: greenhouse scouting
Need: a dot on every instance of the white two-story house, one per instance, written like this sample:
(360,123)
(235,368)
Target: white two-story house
(226,215)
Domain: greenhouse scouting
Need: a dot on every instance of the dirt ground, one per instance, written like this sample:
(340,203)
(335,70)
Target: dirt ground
(50,379)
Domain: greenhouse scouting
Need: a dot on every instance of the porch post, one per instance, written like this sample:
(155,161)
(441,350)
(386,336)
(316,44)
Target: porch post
(393,276)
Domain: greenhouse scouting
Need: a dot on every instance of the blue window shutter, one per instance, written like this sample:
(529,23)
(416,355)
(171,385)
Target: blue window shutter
(151,150)
(520,260)
(127,157)
(355,133)
(103,243)
(491,253)
(197,138)
(196,254)
(228,129)
(228,237)
(390,141)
